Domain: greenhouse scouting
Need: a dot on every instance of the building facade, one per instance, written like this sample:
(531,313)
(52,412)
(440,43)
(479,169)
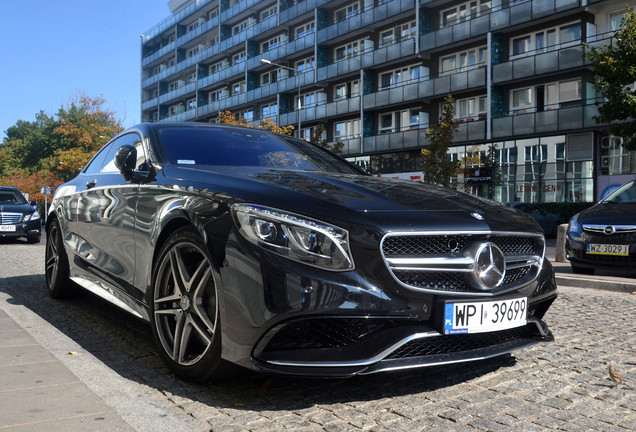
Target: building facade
(375,74)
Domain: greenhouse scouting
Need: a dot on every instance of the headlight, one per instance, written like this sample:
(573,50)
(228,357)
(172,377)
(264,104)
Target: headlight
(33,216)
(574,226)
(294,236)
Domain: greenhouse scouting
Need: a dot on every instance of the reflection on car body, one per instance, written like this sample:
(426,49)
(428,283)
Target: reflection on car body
(243,247)
(604,235)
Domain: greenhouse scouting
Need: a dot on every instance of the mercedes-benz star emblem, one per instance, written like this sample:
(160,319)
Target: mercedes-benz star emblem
(490,266)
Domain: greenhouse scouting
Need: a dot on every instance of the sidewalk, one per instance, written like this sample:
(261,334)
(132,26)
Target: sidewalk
(37,392)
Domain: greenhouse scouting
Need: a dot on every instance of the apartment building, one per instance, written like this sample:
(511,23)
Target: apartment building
(376,72)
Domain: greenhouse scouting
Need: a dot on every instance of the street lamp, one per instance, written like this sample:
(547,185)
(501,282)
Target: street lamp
(265,61)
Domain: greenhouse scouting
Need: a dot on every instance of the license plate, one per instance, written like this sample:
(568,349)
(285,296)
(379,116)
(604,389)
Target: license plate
(481,317)
(7,228)
(607,249)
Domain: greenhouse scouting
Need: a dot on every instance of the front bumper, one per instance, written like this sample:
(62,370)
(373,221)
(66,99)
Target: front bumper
(576,252)
(29,230)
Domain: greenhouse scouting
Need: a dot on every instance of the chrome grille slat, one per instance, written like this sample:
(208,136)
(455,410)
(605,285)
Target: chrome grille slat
(7,218)
(434,262)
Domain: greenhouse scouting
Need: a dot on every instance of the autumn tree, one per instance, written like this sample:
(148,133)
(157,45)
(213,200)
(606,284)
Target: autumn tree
(615,74)
(50,150)
(226,117)
(316,138)
(439,168)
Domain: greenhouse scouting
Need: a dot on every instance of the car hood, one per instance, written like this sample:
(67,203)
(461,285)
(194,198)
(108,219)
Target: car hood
(395,204)
(16,208)
(609,214)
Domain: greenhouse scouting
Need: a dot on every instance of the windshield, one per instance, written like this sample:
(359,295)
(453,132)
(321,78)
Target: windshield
(244,147)
(624,194)
(11,197)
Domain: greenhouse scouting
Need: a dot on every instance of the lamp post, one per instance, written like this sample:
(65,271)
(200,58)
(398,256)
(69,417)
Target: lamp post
(265,61)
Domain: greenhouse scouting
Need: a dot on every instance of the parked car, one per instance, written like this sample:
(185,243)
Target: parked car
(244,247)
(548,222)
(18,218)
(604,235)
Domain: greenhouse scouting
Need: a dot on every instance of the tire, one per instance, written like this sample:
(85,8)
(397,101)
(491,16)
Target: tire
(582,270)
(185,310)
(56,270)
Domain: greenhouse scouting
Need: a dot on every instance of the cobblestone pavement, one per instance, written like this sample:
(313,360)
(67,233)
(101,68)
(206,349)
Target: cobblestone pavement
(562,385)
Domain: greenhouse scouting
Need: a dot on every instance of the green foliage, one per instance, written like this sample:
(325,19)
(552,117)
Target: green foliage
(50,150)
(438,167)
(316,138)
(615,73)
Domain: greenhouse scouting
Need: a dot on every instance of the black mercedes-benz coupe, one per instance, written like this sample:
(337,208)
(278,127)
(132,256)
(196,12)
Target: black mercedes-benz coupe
(18,217)
(244,247)
(604,235)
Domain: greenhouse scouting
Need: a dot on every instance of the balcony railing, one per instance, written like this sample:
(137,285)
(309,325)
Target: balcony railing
(237,9)
(172,20)
(167,49)
(550,121)
(494,21)
(158,77)
(177,93)
(181,117)
(542,63)
(198,31)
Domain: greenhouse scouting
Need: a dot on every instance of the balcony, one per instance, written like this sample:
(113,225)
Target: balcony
(158,77)
(368,18)
(198,57)
(167,49)
(229,103)
(222,75)
(149,104)
(173,20)
(204,28)
(351,146)
(541,63)
(416,138)
(238,8)
(496,20)
(278,53)
(558,120)
(300,9)
(177,93)
(181,117)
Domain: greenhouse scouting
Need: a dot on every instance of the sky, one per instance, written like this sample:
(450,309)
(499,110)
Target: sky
(54,50)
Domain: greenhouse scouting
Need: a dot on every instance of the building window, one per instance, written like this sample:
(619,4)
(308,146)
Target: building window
(270,11)
(238,88)
(213,13)
(175,85)
(215,67)
(238,58)
(269,110)
(269,77)
(191,104)
(398,121)
(470,108)
(240,27)
(349,50)
(546,97)
(271,43)
(192,51)
(347,129)
(463,12)
(397,34)
(545,40)
(462,61)
(346,12)
(399,77)
(305,65)
(191,77)
(305,30)
(215,96)
(248,115)
(346,90)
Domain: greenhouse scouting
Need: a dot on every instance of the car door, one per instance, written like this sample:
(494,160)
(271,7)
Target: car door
(106,221)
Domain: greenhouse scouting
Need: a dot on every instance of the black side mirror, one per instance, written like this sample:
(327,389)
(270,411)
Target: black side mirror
(125,160)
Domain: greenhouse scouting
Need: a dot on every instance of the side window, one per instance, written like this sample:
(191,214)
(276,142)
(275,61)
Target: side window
(129,139)
(96,163)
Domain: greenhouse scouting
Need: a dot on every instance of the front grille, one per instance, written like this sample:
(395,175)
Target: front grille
(458,343)
(323,333)
(604,259)
(442,262)
(10,218)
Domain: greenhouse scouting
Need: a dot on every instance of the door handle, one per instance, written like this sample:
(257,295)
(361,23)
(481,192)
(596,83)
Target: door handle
(91,184)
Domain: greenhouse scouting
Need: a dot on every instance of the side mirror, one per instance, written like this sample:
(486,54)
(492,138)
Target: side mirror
(125,160)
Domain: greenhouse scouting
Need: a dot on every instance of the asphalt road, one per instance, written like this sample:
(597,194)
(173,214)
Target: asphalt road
(562,385)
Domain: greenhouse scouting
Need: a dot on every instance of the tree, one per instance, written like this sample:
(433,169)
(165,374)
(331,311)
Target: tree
(316,138)
(439,168)
(615,74)
(226,117)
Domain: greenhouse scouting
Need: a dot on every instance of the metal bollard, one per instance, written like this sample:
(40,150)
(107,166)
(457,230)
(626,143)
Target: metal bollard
(559,253)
